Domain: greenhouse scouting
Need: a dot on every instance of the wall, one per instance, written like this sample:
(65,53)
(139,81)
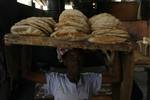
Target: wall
(11,12)
(8,15)
(145,9)
(28,11)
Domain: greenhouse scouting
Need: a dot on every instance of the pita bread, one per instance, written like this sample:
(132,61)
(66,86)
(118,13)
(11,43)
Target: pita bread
(78,36)
(105,25)
(107,29)
(26,30)
(36,23)
(79,20)
(114,32)
(44,26)
(106,39)
(72,26)
(69,33)
(45,23)
(73,18)
(77,26)
(51,22)
(78,29)
(47,20)
(67,29)
(35,26)
(72,12)
(104,17)
(105,21)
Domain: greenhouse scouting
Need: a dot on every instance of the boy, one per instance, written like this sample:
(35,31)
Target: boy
(73,85)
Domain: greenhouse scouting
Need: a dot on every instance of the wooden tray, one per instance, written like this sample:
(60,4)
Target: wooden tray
(11,39)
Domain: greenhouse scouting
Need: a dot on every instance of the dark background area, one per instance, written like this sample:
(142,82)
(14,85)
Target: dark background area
(11,11)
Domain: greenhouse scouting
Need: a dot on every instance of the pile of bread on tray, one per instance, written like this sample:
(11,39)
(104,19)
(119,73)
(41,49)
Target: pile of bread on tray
(73,25)
(36,26)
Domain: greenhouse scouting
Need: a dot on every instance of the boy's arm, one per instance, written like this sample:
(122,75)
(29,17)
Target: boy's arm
(36,77)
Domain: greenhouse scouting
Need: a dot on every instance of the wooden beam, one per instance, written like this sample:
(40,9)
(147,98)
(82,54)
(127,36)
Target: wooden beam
(127,61)
(11,39)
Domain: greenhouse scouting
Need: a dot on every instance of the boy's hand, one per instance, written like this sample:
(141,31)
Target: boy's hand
(36,77)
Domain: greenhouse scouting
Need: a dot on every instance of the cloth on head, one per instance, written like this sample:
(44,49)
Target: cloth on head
(60,53)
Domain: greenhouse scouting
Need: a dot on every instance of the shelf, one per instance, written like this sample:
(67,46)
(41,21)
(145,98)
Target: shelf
(11,39)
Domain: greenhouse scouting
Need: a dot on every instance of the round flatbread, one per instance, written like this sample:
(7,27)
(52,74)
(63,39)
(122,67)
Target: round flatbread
(38,22)
(49,21)
(77,26)
(70,28)
(72,12)
(105,21)
(104,17)
(26,30)
(106,39)
(113,32)
(76,36)
(79,20)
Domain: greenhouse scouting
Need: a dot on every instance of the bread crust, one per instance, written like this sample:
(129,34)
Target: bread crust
(27,30)
(43,24)
(106,39)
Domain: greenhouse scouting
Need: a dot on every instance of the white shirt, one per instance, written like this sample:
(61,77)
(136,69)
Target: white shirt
(61,88)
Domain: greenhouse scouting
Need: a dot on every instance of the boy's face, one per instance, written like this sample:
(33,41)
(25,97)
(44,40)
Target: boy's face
(73,61)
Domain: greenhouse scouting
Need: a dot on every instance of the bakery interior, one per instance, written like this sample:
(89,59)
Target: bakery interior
(35,51)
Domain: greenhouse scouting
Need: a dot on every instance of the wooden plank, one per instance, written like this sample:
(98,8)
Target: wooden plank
(124,11)
(26,59)
(47,41)
(107,78)
(113,74)
(127,61)
(116,68)
(116,75)
(116,91)
(137,29)
(102,97)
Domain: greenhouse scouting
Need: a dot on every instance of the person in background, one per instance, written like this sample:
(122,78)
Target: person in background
(72,85)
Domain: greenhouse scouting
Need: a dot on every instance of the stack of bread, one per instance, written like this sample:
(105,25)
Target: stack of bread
(73,26)
(34,26)
(107,29)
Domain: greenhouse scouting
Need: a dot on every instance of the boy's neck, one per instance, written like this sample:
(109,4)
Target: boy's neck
(74,79)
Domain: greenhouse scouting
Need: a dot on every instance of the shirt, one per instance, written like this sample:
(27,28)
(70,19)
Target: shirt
(58,85)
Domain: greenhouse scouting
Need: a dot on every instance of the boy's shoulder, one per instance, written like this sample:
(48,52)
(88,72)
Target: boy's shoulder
(91,75)
(56,74)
